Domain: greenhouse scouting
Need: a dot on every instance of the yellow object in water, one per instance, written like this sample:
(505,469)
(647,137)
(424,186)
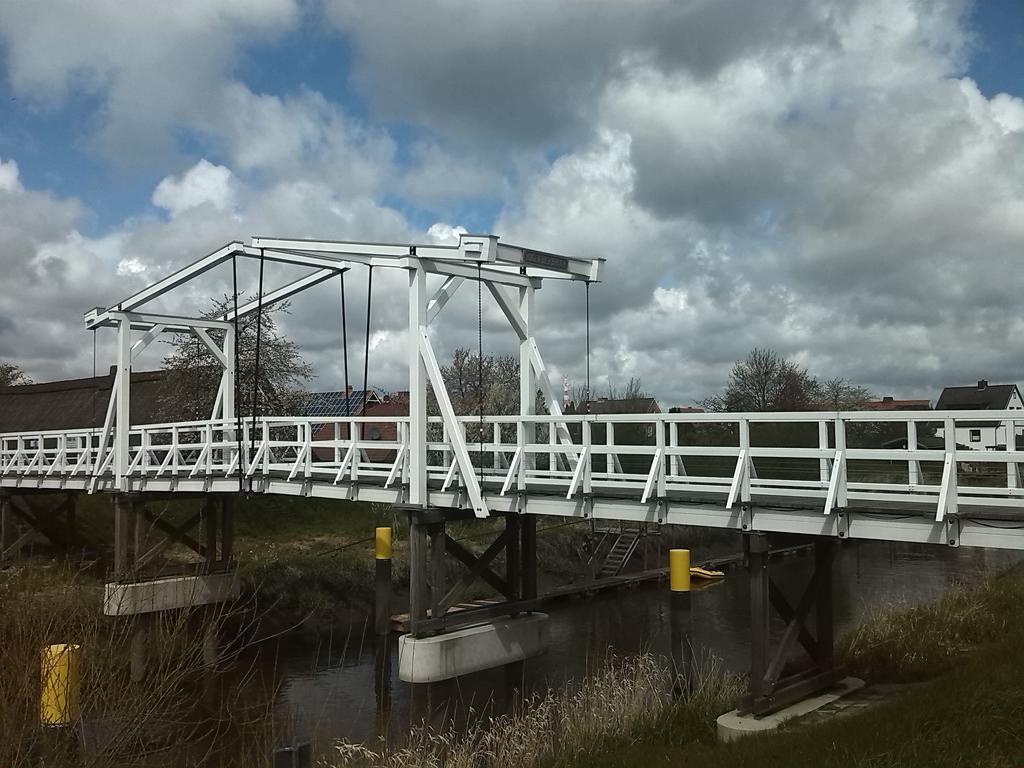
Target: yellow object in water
(679,570)
(59,681)
(699,572)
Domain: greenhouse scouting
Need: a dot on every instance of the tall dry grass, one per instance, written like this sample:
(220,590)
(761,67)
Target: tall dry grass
(902,644)
(179,709)
(626,699)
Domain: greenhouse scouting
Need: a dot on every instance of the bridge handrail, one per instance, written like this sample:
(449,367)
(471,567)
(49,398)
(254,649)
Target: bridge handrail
(662,458)
(807,417)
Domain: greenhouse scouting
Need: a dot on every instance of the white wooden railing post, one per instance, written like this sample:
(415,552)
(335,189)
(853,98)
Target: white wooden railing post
(841,495)
(745,449)
(585,457)
(495,457)
(823,445)
(675,465)
(356,429)
(659,456)
(1011,445)
(552,441)
(610,442)
(913,467)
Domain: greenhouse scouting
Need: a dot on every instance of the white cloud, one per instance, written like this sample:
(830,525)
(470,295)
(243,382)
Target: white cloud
(155,65)
(1008,112)
(9,176)
(445,233)
(203,183)
(848,202)
(816,177)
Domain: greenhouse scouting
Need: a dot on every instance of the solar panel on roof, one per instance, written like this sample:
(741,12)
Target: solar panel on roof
(336,404)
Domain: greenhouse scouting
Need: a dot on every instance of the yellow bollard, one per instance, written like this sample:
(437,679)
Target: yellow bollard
(382,544)
(382,583)
(679,570)
(680,620)
(59,684)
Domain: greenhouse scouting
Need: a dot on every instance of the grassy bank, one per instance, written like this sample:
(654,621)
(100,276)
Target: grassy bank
(969,645)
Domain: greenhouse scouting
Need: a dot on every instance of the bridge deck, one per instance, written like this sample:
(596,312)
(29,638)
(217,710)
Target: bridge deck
(849,475)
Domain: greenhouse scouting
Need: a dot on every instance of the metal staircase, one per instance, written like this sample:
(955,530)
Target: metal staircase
(614,545)
(622,550)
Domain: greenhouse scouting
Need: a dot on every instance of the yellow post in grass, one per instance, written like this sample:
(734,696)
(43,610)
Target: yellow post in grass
(382,592)
(59,684)
(680,619)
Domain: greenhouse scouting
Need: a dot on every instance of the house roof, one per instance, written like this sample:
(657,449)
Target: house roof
(75,403)
(608,405)
(338,403)
(982,396)
(892,404)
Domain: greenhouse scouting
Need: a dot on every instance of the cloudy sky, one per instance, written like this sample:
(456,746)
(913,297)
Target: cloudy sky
(842,181)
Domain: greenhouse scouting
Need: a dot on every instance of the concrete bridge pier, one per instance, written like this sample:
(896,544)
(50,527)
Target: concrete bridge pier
(450,633)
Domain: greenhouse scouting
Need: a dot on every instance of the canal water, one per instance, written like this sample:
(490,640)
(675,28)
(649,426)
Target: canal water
(338,695)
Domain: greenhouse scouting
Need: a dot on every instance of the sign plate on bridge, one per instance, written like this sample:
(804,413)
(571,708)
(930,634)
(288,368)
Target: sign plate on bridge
(546,260)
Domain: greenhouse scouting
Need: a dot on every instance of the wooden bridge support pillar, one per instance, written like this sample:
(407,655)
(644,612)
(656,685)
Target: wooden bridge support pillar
(208,532)
(431,598)
(770,689)
(7,532)
(124,534)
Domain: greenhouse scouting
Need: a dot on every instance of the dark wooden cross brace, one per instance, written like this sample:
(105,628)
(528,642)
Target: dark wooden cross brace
(18,506)
(432,600)
(478,568)
(213,521)
(769,690)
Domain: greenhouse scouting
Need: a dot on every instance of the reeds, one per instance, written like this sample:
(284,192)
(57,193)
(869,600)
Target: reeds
(627,699)
(179,706)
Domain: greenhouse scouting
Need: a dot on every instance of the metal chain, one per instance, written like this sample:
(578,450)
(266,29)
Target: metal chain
(256,369)
(234,362)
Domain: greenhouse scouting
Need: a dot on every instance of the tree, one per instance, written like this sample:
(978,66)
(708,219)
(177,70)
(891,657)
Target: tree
(12,375)
(498,375)
(193,373)
(838,394)
(766,381)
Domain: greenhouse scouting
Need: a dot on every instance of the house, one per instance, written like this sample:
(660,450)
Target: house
(615,405)
(685,409)
(982,435)
(889,403)
(337,405)
(76,403)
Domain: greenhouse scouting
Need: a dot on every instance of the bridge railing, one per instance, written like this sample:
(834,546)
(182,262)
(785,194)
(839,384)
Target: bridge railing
(831,460)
